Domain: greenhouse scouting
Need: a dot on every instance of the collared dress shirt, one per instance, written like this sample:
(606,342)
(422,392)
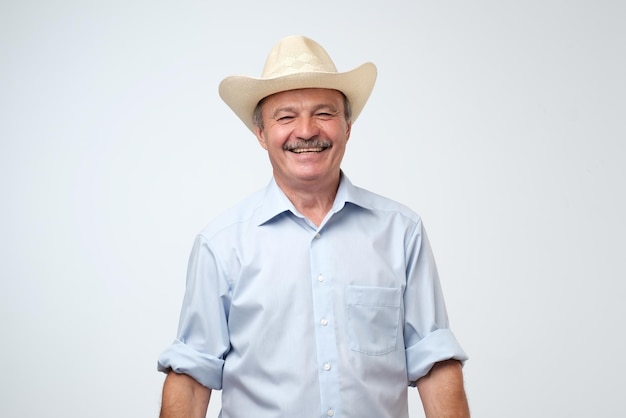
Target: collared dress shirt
(299,321)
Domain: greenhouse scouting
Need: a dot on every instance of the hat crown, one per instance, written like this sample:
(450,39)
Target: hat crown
(297,54)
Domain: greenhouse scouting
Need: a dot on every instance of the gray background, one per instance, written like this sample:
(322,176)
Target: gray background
(500,122)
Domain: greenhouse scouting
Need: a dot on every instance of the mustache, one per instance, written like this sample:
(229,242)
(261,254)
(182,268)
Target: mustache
(314,143)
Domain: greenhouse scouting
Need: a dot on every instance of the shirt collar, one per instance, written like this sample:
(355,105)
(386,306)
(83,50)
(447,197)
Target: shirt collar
(275,202)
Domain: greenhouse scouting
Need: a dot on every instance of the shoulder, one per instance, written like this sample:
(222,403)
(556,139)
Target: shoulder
(238,215)
(382,204)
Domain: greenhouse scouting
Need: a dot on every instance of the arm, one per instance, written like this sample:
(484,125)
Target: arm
(442,392)
(184,397)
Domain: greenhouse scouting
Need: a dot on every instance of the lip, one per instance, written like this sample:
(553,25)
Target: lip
(308,153)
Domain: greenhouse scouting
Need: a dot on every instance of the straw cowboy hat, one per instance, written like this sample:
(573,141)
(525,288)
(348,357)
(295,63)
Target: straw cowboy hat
(297,62)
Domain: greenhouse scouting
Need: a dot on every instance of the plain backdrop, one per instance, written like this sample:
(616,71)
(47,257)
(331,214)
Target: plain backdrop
(501,122)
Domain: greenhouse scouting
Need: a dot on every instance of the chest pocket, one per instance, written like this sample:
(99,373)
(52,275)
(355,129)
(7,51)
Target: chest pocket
(373,318)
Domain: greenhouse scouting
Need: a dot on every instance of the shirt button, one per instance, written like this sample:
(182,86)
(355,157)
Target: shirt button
(324,322)
(327,366)
(330,412)
(320,278)
(318,236)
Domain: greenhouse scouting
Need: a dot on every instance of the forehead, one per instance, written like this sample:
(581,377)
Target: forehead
(304,98)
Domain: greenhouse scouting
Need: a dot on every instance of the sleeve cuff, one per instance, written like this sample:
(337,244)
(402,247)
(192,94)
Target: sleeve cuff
(437,346)
(181,358)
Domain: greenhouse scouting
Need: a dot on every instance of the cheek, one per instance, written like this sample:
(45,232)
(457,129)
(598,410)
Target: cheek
(276,137)
(276,146)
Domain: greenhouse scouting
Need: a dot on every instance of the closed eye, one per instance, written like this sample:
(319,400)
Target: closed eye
(284,118)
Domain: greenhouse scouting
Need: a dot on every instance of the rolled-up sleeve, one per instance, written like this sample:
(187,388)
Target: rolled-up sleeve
(427,335)
(436,346)
(203,339)
(181,358)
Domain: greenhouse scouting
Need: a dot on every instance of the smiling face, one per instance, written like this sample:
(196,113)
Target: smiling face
(305,134)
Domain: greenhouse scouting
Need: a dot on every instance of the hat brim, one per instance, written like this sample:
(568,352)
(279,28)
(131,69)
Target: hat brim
(242,94)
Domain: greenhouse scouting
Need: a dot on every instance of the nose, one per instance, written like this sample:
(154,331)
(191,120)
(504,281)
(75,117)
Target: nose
(306,128)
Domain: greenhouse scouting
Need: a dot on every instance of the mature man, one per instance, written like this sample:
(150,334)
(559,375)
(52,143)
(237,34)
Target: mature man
(312,297)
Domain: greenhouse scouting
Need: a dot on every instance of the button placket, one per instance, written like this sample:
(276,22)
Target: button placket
(327,355)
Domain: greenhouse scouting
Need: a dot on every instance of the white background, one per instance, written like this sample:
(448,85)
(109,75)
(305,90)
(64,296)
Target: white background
(501,122)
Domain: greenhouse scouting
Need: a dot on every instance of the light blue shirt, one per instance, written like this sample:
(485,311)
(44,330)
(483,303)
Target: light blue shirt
(298,321)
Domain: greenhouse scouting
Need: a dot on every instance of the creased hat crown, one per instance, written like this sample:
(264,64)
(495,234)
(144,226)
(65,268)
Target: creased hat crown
(297,54)
(297,62)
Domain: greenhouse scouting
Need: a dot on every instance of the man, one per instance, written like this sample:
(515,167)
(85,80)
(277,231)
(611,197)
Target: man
(312,297)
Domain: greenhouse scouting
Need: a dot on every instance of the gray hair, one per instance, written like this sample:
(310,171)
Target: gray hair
(257,116)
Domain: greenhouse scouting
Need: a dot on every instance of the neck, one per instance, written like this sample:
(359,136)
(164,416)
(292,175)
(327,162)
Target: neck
(314,200)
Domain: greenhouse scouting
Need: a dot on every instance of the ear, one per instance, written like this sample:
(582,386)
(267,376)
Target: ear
(260,137)
(348,131)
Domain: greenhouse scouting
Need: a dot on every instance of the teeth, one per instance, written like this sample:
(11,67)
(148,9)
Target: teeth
(302,150)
